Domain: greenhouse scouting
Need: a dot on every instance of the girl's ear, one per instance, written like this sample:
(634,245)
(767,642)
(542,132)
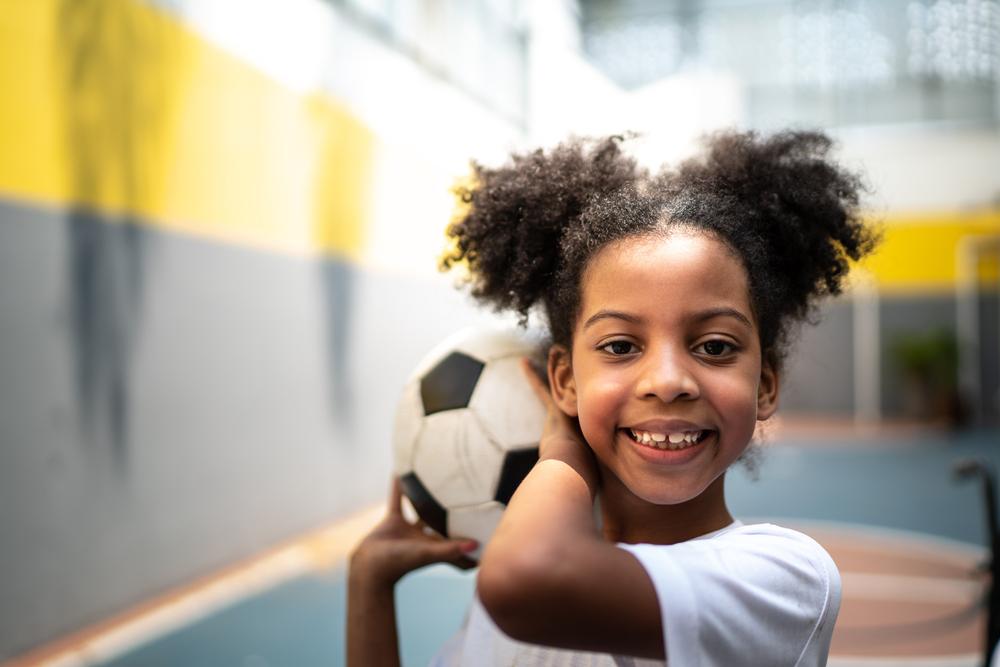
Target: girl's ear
(767,392)
(561,381)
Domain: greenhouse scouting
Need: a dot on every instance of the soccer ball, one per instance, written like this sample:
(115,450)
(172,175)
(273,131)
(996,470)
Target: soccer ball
(467,429)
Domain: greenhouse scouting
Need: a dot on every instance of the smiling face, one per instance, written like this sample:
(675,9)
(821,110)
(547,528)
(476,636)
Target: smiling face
(665,374)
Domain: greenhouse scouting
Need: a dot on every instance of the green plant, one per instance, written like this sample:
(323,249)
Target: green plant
(928,356)
(928,363)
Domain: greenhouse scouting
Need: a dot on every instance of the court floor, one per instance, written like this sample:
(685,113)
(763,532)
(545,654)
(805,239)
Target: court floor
(906,535)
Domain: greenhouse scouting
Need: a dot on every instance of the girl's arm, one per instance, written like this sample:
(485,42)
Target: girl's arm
(371,622)
(393,548)
(548,577)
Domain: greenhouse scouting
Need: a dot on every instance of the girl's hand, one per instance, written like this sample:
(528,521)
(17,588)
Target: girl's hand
(561,437)
(395,547)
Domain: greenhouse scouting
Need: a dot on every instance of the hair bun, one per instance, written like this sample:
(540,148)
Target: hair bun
(789,202)
(517,214)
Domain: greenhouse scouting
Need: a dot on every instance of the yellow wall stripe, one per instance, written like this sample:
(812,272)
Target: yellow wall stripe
(919,252)
(115,105)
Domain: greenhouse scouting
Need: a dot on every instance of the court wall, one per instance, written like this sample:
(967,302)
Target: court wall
(216,271)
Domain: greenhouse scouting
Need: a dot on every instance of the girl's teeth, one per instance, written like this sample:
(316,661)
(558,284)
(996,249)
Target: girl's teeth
(678,440)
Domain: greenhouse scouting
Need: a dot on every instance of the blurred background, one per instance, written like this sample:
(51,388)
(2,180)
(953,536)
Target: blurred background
(219,229)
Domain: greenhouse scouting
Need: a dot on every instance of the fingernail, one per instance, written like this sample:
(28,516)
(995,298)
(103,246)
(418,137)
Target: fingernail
(468,546)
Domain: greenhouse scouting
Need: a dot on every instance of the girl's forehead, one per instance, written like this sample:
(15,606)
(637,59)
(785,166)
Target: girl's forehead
(668,251)
(679,269)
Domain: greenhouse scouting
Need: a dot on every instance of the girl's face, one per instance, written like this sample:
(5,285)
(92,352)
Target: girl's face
(666,375)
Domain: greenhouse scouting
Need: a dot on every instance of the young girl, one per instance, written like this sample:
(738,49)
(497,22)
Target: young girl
(670,300)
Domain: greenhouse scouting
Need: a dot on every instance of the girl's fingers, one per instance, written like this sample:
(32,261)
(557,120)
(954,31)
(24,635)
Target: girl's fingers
(537,385)
(396,498)
(451,551)
(558,421)
(426,530)
(465,563)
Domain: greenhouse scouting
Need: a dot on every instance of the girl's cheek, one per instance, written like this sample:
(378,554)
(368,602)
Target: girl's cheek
(599,416)
(599,402)
(737,389)
(589,428)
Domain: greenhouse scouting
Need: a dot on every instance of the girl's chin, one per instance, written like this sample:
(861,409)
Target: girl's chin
(660,491)
(654,493)
(669,499)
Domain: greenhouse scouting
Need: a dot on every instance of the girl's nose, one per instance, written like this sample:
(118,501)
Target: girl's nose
(665,375)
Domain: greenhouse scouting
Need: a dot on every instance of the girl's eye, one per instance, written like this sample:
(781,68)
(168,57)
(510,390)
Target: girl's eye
(716,348)
(619,347)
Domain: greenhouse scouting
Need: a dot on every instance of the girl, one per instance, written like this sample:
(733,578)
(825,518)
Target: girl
(670,300)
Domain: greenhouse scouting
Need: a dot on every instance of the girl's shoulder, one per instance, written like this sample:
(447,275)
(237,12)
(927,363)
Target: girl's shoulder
(773,583)
(754,532)
(774,549)
(768,539)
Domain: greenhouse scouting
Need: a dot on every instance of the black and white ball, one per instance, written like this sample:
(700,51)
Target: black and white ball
(467,429)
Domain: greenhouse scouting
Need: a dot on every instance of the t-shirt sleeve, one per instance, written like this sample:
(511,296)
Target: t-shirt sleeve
(747,597)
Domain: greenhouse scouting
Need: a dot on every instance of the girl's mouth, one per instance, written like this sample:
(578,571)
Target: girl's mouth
(673,441)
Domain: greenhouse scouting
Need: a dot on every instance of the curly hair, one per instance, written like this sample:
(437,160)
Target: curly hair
(786,210)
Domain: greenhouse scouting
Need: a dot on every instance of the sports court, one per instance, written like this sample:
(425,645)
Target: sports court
(907,537)
(221,228)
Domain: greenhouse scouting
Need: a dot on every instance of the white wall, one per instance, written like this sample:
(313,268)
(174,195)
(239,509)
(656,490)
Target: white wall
(927,169)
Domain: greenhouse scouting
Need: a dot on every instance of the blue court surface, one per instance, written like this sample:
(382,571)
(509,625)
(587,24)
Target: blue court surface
(899,482)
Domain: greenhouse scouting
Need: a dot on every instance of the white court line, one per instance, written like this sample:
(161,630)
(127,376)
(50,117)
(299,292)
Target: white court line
(189,608)
(905,588)
(946,546)
(313,552)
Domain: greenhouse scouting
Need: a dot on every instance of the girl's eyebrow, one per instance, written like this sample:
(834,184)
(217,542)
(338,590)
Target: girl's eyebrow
(721,311)
(700,316)
(612,314)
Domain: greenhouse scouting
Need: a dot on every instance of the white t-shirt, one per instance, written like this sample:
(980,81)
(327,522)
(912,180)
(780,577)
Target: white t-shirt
(744,595)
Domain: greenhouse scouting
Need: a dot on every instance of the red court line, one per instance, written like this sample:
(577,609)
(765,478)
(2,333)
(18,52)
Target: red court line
(906,596)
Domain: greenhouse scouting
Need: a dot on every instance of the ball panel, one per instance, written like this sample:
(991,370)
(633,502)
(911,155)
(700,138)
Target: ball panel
(476,521)
(452,343)
(449,385)
(490,344)
(507,406)
(456,457)
(427,507)
(516,466)
(406,427)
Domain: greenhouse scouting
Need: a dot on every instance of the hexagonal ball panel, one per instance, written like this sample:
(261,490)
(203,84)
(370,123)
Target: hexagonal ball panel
(452,343)
(427,506)
(409,420)
(506,404)
(449,385)
(475,521)
(516,466)
(456,458)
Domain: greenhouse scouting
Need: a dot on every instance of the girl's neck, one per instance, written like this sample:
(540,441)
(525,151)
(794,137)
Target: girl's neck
(628,518)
